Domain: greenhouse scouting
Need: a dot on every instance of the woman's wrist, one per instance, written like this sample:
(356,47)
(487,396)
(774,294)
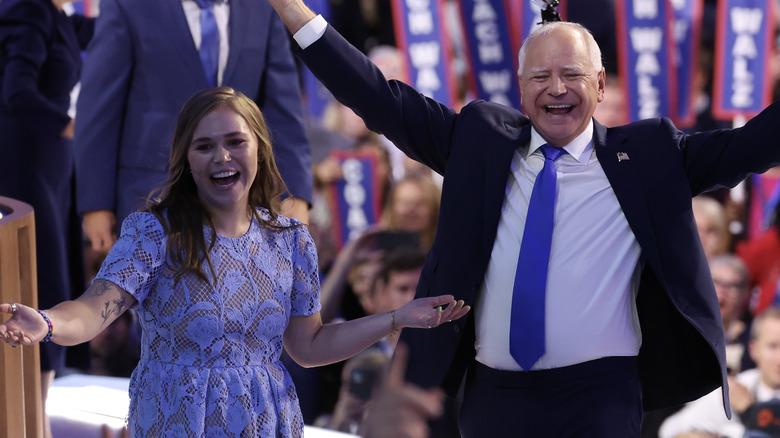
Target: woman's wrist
(45,317)
(393,322)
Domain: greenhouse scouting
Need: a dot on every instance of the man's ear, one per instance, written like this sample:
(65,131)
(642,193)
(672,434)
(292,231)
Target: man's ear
(602,81)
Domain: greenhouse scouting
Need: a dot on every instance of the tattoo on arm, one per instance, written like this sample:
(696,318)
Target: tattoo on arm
(113,307)
(99,287)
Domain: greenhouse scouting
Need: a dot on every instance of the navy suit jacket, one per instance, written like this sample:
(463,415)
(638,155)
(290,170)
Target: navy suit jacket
(142,66)
(682,355)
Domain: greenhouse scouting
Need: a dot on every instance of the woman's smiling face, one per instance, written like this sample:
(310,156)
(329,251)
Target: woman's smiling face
(223,160)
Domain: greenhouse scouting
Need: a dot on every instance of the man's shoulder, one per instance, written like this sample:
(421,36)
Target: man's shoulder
(494,113)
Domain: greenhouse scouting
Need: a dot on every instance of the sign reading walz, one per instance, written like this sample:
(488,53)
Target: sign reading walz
(646,58)
(420,34)
(742,49)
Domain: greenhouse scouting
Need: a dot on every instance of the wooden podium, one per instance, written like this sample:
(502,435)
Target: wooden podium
(21,413)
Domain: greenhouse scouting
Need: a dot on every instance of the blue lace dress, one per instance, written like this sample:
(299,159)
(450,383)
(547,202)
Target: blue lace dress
(210,355)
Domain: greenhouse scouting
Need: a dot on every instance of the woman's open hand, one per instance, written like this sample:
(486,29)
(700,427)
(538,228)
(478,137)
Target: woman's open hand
(430,312)
(25,327)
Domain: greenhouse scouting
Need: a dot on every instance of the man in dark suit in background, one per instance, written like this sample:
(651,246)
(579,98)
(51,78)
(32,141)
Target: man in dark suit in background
(142,65)
(631,319)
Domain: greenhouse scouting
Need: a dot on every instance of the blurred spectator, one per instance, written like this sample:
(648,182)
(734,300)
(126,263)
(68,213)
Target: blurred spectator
(754,394)
(762,257)
(360,378)
(731,279)
(413,205)
(399,409)
(612,110)
(395,285)
(348,293)
(713,226)
(351,278)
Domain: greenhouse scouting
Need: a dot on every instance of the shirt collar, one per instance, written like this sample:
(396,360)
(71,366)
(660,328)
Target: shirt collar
(577,147)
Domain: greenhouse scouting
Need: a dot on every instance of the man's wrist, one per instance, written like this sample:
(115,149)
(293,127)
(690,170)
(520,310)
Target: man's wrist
(310,32)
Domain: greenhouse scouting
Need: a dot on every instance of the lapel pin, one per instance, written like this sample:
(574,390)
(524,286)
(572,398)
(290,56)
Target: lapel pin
(622,156)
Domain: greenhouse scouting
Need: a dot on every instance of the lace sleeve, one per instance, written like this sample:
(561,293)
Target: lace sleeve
(306,280)
(137,257)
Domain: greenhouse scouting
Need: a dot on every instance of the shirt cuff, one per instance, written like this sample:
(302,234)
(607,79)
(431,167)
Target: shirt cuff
(311,32)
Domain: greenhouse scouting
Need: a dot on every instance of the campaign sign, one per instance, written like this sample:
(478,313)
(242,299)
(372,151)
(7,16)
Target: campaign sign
(355,199)
(317,96)
(646,58)
(743,48)
(420,34)
(491,55)
(687,34)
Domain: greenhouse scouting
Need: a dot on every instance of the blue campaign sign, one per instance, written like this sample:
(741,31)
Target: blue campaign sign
(742,50)
(419,34)
(491,55)
(646,58)
(317,96)
(687,34)
(355,199)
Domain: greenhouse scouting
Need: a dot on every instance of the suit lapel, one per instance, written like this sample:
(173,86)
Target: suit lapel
(237,31)
(177,31)
(623,166)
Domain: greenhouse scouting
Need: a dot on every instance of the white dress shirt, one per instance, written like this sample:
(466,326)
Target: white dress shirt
(593,273)
(222,16)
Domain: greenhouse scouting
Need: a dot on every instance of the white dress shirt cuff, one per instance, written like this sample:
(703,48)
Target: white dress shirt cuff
(311,32)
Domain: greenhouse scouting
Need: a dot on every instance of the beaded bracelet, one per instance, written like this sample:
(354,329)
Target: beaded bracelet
(46,338)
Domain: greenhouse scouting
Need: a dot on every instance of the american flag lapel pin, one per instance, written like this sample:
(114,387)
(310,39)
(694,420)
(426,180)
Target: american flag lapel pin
(622,156)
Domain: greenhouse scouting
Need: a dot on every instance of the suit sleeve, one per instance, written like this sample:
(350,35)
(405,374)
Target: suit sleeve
(725,157)
(26,50)
(101,109)
(280,99)
(421,127)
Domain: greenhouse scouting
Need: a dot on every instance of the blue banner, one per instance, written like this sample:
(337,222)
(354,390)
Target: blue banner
(743,47)
(491,54)
(646,58)
(316,95)
(687,34)
(355,199)
(420,35)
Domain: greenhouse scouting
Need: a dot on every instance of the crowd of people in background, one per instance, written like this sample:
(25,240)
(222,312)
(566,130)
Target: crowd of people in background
(378,270)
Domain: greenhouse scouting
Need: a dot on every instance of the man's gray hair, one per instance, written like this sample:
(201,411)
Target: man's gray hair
(594,51)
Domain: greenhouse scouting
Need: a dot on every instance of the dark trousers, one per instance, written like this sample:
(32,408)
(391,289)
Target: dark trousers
(596,399)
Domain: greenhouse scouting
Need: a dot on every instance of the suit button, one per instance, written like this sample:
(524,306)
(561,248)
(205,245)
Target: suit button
(456,329)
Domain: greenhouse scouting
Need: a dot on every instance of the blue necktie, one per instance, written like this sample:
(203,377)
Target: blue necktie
(209,41)
(526,333)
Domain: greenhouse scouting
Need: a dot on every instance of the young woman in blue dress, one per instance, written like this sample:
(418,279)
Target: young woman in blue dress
(221,284)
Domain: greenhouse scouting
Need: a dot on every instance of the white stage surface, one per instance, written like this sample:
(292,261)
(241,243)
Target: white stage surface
(79,406)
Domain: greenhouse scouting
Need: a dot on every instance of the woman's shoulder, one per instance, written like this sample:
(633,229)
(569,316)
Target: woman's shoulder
(142,221)
(280,221)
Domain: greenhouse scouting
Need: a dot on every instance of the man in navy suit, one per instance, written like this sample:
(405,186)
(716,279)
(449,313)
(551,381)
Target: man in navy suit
(142,65)
(631,316)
